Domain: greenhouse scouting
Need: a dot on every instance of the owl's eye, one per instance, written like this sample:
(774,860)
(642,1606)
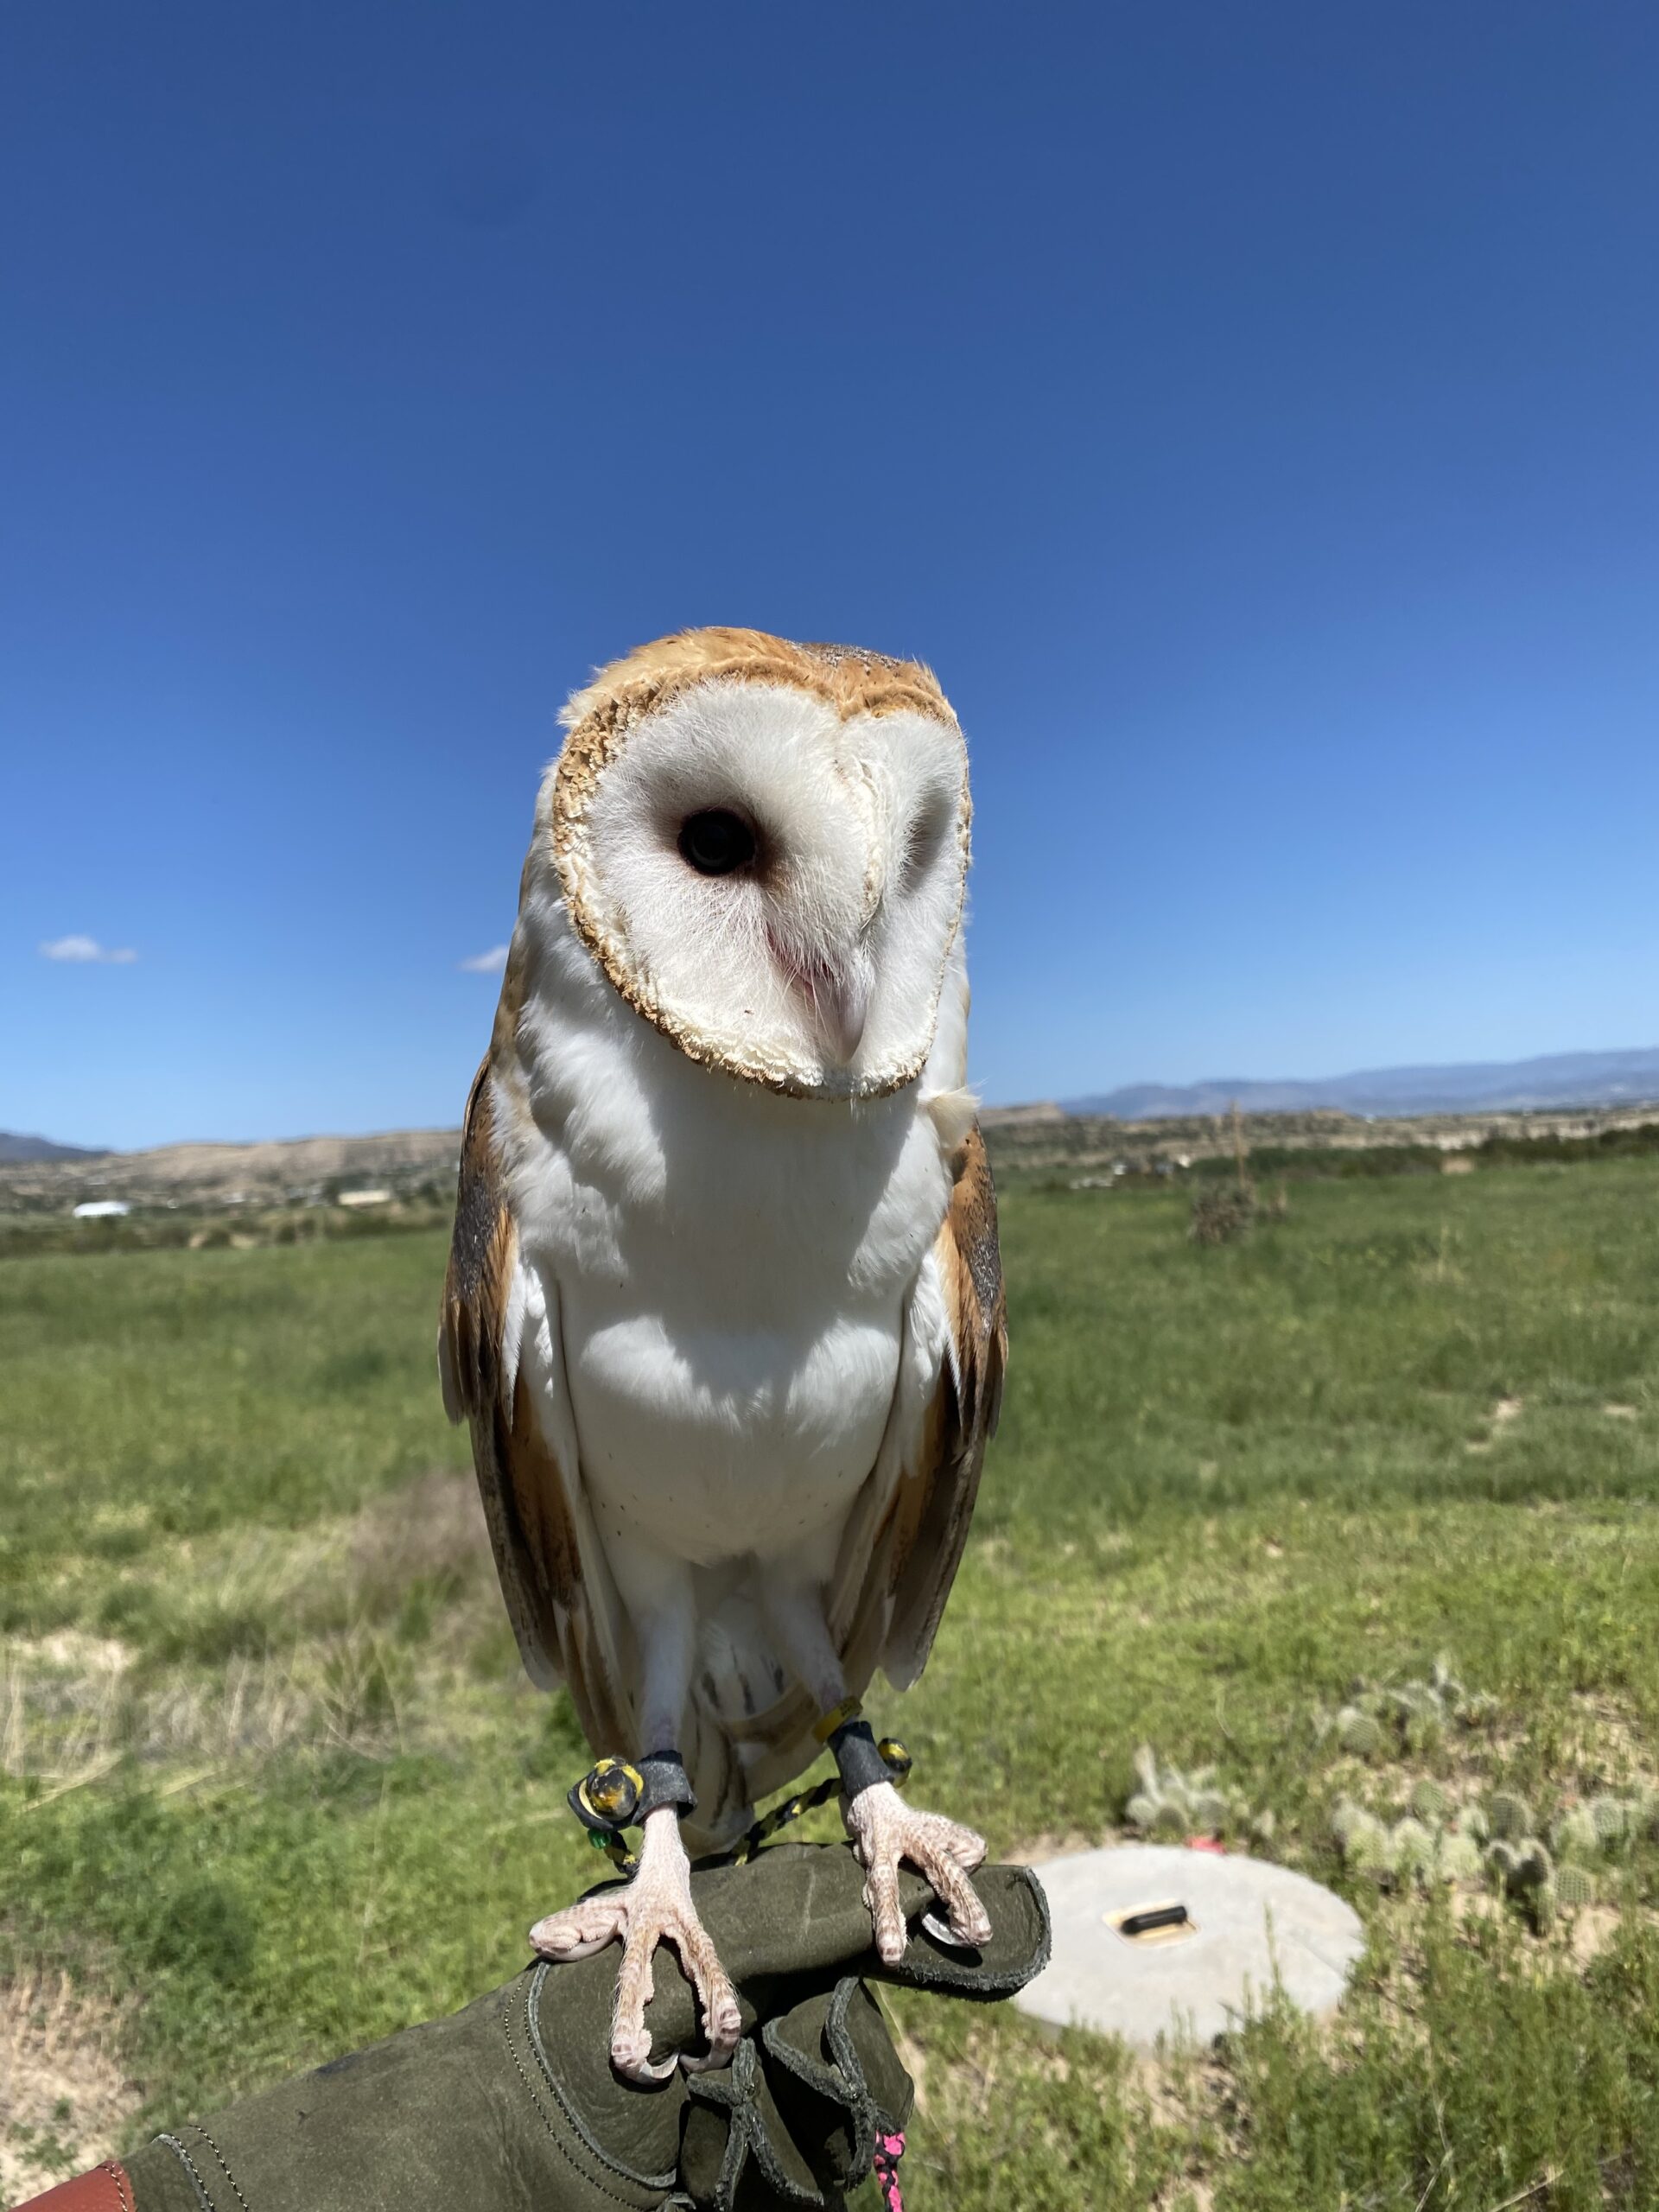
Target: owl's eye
(717,843)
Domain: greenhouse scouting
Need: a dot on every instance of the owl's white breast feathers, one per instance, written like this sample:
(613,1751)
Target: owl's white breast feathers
(733,1271)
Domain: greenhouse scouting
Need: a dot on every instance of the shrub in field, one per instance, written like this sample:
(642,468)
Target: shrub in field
(1223,1216)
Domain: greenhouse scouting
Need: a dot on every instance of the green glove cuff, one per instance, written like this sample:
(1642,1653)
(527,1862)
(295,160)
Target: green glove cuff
(512,2103)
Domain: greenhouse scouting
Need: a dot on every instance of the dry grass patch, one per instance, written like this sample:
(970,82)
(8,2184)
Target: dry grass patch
(63,2095)
(355,1633)
(61,1699)
(431,1526)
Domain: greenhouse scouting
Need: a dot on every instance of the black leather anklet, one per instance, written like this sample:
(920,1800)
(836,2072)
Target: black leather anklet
(859,1762)
(665,1782)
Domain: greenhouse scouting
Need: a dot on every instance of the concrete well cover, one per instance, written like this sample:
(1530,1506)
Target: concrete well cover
(1251,1925)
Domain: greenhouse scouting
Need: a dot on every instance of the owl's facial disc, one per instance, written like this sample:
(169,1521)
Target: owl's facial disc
(776,887)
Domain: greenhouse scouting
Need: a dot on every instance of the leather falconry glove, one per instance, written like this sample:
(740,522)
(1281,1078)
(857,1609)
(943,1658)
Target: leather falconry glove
(511,2105)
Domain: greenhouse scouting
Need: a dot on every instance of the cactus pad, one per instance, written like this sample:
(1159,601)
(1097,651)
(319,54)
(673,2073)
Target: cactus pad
(1359,1733)
(1510,1815)
(1578,1835)
(1612,1819)
(1429,1802)
(1573,1886)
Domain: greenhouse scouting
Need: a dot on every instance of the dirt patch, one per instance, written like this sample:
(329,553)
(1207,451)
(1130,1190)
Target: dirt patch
(432,1527)
(1504,1416)
(73,1651)
(1052,1843)
(1593,1929)
(1602,1747)
(64,2095)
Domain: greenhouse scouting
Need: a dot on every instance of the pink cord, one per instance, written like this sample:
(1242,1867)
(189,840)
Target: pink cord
(889,2149)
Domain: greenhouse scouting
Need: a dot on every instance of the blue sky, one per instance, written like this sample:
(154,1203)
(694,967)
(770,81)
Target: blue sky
(1250,412)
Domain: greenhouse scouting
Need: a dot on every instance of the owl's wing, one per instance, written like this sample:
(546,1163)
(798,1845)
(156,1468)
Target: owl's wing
(895,1571)
(501,1358)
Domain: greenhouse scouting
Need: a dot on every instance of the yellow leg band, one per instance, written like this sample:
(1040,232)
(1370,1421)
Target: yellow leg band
(837,1717)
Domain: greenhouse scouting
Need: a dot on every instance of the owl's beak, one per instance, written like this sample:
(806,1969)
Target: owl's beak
(841,1002)
(836,989)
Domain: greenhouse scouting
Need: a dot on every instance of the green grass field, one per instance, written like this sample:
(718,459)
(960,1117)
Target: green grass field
(270,1785)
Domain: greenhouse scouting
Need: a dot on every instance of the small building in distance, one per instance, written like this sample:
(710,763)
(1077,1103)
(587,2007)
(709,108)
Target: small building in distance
(366,1197)
(101,1209)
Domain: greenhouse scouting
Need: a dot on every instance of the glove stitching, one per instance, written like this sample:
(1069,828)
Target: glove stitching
(533,2019)
(189,2166)
(559,2144)
(118,2179)
(199,2129)
(123,2189)
(844,2052)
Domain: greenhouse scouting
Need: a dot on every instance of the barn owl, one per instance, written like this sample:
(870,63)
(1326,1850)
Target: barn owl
(724,1306)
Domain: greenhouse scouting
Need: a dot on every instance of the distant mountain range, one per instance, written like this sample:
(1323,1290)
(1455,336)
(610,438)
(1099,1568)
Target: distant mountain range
(14,1149)
(1558,1080)
(1495,1087)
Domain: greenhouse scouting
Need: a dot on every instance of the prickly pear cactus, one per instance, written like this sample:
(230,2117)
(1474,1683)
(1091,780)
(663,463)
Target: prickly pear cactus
(1429,1802)
(1172,1805)
(1369,1850)
(1459,1857)
(1412,1850)
(1577,1836)
(1359,1733)
(1502,1857)
(1471,1820)
(1345,1818)
(1606,1826)
(1535,1869)
(1415,1849)
(1413,1716)
(1573,1887)
(1508,1815)
(1612,1819)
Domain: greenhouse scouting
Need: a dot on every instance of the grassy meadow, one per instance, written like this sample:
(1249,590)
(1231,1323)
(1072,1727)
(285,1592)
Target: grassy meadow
(271,1785)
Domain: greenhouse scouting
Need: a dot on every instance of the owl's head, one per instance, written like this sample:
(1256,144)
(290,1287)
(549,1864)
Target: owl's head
(765,846)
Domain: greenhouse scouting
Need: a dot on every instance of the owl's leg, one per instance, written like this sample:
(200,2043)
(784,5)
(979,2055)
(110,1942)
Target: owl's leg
(657,1903)
(884,1830)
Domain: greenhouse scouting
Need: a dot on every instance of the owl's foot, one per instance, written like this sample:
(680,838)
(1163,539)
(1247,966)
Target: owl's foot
(884,1830)
(655,1904)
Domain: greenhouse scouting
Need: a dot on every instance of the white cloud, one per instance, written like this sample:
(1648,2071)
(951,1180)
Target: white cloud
(485,963)
(88,948)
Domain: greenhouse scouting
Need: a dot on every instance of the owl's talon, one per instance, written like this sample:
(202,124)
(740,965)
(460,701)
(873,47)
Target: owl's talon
(655,1906)
(886,1831)
(722,2024)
